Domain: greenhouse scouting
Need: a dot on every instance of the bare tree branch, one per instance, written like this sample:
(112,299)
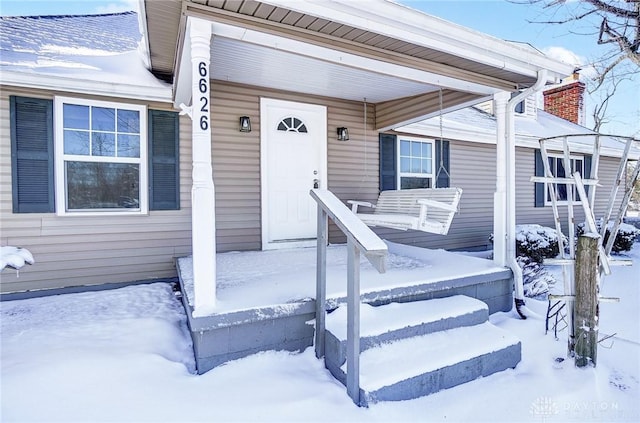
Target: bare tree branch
(616,24)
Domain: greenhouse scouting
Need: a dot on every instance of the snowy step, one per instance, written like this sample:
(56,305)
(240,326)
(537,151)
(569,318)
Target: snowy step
(417,366)
(400,320)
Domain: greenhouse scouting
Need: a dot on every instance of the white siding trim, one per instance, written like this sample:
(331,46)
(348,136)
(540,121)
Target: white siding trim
(78,86)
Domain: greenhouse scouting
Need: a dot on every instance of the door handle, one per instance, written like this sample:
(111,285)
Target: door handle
(316,183)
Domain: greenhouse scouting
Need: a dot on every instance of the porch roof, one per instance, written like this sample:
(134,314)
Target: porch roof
(386,53)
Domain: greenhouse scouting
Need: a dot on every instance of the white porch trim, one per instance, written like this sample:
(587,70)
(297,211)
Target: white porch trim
(203,221)
(407,24)
(500,196)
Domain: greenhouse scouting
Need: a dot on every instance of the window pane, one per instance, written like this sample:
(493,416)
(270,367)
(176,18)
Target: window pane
(76,142)
(426,150)
(416,149)
(560,173)
(578,167)
(103,119)
(102,185)
(405,164)
(426,166)
(103,144)
(129,121)
(414,183)
(75,116)
(416,165)
(405,148)
(128,145)
(561,192)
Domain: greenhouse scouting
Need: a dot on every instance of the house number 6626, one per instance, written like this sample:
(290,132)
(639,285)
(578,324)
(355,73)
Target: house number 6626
(203,86)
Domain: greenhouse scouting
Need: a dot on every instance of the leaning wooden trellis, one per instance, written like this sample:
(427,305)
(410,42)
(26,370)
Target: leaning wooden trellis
(560,312)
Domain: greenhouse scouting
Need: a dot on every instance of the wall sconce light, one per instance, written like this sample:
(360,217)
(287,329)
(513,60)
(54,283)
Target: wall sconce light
(245,124)
(343,134)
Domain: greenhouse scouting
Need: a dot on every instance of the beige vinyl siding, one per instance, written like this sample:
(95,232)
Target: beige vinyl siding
(89,250)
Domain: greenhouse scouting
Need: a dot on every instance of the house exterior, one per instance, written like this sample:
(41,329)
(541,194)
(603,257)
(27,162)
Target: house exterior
(196,183)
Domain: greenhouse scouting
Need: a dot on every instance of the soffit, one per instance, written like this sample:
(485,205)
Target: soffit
(244,63)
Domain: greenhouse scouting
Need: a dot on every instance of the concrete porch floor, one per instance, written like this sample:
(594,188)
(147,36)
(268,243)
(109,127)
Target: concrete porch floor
(255,279)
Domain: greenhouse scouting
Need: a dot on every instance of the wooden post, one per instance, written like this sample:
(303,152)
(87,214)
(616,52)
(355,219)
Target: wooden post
(353,320)
(585,322)
(321,281)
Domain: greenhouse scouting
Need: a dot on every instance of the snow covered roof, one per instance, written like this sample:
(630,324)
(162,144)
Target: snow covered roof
(473,124)
(96,54)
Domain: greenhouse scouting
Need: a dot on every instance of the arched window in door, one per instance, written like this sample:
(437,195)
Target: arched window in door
(292,124)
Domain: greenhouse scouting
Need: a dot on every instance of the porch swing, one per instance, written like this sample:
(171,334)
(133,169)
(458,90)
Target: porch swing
(422,209)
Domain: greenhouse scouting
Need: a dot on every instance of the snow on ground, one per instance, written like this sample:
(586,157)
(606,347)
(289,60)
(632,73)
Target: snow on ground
(124,355)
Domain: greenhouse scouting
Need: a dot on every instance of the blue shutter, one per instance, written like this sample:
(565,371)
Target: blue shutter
(442,164)
(539,186)
(164,172)
(388,162)
(32,155)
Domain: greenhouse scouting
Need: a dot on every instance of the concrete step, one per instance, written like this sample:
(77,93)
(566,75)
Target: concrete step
(400,320)
(418,366)
(405,358)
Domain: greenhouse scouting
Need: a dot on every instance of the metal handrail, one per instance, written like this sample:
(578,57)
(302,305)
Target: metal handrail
(360,238)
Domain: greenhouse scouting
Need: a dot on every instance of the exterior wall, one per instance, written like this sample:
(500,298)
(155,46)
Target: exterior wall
(472,168)
(74,250)
(352,165)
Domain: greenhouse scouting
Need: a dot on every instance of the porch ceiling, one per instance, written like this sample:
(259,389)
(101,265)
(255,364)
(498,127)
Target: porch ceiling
(240,62)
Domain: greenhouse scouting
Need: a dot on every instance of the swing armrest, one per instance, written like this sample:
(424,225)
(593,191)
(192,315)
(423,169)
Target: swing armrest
(356,203)
(438,204)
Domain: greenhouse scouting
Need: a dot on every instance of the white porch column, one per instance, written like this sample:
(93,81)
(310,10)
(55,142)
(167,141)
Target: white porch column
(500,211)
(203,224)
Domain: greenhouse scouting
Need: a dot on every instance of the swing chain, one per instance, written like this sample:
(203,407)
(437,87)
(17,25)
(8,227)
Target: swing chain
(441,166)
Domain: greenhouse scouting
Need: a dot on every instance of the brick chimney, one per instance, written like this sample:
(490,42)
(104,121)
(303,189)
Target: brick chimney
(566,100)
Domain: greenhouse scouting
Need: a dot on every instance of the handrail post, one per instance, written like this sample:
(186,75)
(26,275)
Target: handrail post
(353,321)
(321,281)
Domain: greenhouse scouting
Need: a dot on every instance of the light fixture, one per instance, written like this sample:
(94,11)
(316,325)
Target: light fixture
(245,124)
(343,134)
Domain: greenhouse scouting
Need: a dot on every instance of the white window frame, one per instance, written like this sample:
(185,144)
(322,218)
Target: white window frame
(576,199)
(60,158)
(401,174)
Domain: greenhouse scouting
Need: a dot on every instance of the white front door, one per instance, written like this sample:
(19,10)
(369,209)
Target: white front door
(293,149)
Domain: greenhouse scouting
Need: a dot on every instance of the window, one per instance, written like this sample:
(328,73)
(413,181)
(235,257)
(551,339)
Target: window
(100,156)
(579,163)
(416,165)
(115,158)
(521,107)
(412,162)
(292,124)
(558,169)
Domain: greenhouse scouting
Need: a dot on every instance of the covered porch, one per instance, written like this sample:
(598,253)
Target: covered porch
(401,65)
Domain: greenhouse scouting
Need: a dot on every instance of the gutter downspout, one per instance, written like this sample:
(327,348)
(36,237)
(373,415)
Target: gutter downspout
(510,138)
